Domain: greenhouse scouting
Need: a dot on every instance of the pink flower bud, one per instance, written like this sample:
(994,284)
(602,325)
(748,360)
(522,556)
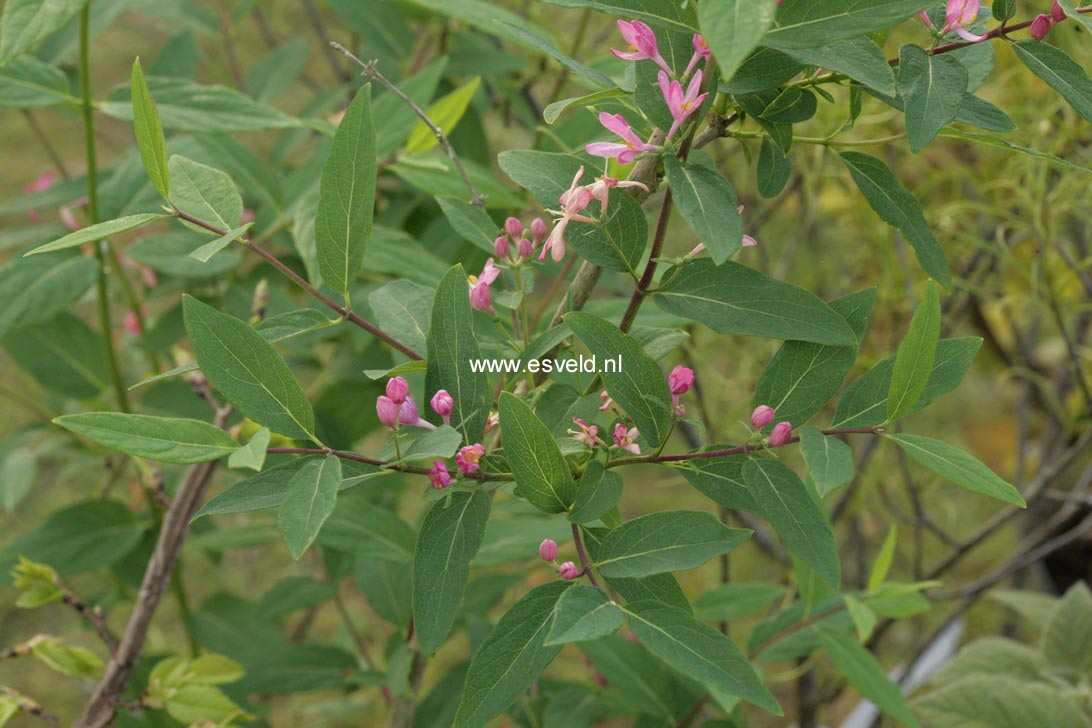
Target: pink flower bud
(781,434)
(547,550)
(501,246)
(131,323)
(1056,12)
(513,227)
(680,380)
(568,571)
(439,475)
(469,457)
(387,411)
(762,416)
(397,390)
(408,414)
(538,231)
(526,248)
(442,404)
(1040,27)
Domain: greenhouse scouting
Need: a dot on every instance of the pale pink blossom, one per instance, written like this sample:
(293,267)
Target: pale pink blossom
(625,438)
(469,458)
(961,13)
(480,297)
(600,189)
(587,434)
(439,475)
(573,201)
(642,44)
(606,400)
(131,323)
(443,404)
(680,104)
(701,50)
(625,153)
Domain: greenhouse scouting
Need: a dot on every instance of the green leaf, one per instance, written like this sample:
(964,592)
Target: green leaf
(450,345)
(88,535)
(404,310)
(552,112)
(864,403)
(993,656)
(511,658)
(734,299)
(663,588)
(1071,11)
(358,526)
(93,233)
(247,370)
(859,58)
(932,88)
(990,701)
(517,32)
(796,514)
(736,599)
(149,133)
(541,473)
(252,455)
(618,242)
(996,141)
(185,105)
(708,203)
(637,386)
(916,356)
(900,210)
(863,616)
(433,445)
(865,673)
(471,222)
(957,466)
(165,439)
(70,660)
(597,494)
(583,614)
(26,23)
(670,15)
(884,559)
(546,175)
(308,502)
(445,113)
(1067,638)
(829,460)
(9,708)
(697,651)
(811,24)
(205,193)
(206,251)
(665,541)
(343,223)
(196,703)
(734,28)
(27,83)
(802,377)
(773,170)
(1060,72)
(450,536)
(64,354)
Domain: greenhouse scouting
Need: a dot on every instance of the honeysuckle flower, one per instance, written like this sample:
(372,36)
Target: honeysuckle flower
(492,421)
(388,411)
(538,231)
(568,571)
(1040,26)
(606,400)
(701,50)
(959,14)
(443,404)
(397,389)
(624,438)
(480,297)
(679,382)
(624,153)
(781,434)
(439,475)
(681,105)
(513,227)
(642,44)
(501,247)
(469,458)
(587,434)
(762,416)
(547,550)
(131,323)
(408,415)
(573,201)
(600,189)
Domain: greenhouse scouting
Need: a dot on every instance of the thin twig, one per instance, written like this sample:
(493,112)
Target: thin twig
(371,71)
(92,614)
(583,556)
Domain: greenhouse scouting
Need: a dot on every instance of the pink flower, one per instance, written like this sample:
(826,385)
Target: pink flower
(131,323)
(701,50)
(248,215)
(1040,26)
(388,411)
(469,457)
(480,297)
(781,434)
(501,246)
(960,13)
(600,189)
(679,381)
(492,421)
(568,571)
(397,390)
(624,153)
(762,416)
(547,550)
(587,434)
(681,105)
(924,15)
(410,416)
(439,475)
(538,230)
(624,438)
(443,404)
(513,227)
(573,201)
(642,44)
(606,400)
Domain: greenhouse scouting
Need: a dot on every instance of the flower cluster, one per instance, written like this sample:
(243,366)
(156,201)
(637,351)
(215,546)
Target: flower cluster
(957,16)
(516,235)
(780,434)
(1044,22)
(573,201)
(397,407)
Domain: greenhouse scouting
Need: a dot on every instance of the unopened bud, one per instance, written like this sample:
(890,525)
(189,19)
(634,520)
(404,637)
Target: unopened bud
(526,248)
(1057,14)
(538,231)
(680,380)
(762,416)
(781,434)
(547,550)
(513,227)
(387,411)
(1040,27)
(501,246)
(443,404)
(568,571)
(397,390)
